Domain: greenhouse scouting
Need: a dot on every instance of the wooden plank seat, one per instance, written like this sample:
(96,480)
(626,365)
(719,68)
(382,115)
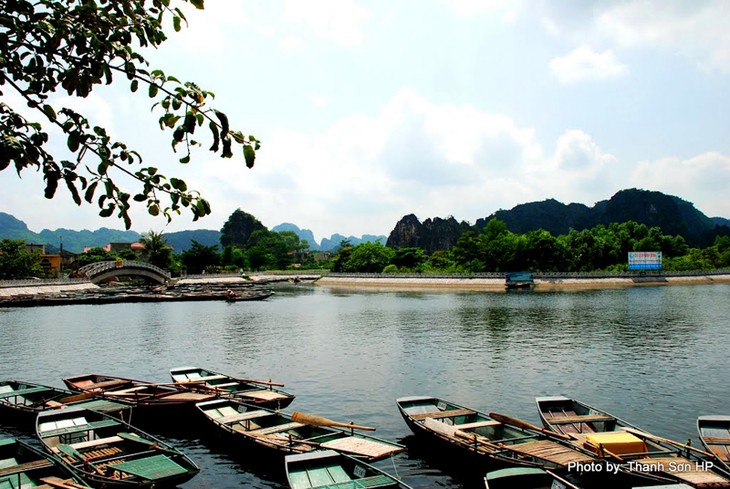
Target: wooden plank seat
(131,390)
(716,441)
(22,392)
(104,384)
(586,418)
(362,447)
(235,418)
(94,425)
(443,414)
(478,424)
(261,395)
(34,464)
(208,378)
(94,443)
(549,450)
(276,429)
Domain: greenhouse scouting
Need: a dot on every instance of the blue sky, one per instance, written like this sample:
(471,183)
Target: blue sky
(371,110)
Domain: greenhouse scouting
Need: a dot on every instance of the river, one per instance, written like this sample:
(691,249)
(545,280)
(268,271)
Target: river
(654,355)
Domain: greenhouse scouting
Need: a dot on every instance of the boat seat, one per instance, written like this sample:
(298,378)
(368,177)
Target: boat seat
(131,390)
(209,377)
(93,443)
(227,384)
(234,418)
(276,429)
(443,414)
(478,424)
(104,384)
(716,441)
(22,392)
(34,464)
(587,418)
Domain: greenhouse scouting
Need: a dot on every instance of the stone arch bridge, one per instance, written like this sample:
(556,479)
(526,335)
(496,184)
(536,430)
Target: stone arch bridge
(103,270)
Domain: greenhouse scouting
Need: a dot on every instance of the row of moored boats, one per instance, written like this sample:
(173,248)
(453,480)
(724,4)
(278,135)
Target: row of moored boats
(87,439)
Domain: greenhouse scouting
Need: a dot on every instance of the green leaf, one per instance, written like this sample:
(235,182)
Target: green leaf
(154,210)
(216,137)
(73,142)
(226,153)
(185,159)
(249,154)
(152,90)
(89,195)
(50,113)
(134,85)
(176,23)
(198,4)
(107,211)
(223,118)
(178,184)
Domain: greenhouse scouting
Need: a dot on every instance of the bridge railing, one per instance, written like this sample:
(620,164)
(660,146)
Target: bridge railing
(99,267)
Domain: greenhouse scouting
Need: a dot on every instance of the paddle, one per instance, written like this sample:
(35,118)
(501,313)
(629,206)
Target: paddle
(321,421)
(233,379)
(63,484)
(640,433)
(78,397)
(525,425)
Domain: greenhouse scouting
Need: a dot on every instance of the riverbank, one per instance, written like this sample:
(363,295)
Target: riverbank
(498,284)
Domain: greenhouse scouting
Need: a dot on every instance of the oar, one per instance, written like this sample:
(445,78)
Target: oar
(640,433)
(264,382)
(525,425)
(321,421)
(78,397)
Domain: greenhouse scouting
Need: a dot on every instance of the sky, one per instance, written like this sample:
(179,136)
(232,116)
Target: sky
(371,110)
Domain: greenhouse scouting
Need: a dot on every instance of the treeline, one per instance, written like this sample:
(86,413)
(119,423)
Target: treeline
(248,246)
(496,249)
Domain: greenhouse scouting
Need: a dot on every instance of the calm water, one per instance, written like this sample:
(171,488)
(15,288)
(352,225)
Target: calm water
(656,356)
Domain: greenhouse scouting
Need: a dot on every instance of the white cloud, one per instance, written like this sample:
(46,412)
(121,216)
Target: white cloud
(339,21)
(585,64)
(700,180)
(478,7)
(696,30)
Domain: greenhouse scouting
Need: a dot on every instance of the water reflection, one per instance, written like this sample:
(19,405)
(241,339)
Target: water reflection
(654,355)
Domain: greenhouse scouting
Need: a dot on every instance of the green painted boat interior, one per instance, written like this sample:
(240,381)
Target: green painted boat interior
(152,468)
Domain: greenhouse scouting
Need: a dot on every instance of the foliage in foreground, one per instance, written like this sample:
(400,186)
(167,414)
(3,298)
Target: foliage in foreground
(48,47)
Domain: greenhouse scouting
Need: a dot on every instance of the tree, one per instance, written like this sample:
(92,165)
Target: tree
(16,262)
(47,46)
(156,249)
(239,227)
(368,258)
(199,257)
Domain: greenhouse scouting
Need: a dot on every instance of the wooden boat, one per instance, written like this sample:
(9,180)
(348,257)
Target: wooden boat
(259,392)
(526,478)
(256,295)
(491,441)
(714,433)
(21,401)
(23,466)
(107,452)
(149,399)
(330,469)
(519,280)
(274,432)
(641,454)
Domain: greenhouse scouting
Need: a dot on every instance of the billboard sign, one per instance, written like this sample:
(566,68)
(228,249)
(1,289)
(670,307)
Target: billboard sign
(645,260)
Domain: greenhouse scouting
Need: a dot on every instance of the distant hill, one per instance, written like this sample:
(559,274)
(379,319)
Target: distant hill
(183,240)
(673,215)
(76,241)
(327,244)
(304,234)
